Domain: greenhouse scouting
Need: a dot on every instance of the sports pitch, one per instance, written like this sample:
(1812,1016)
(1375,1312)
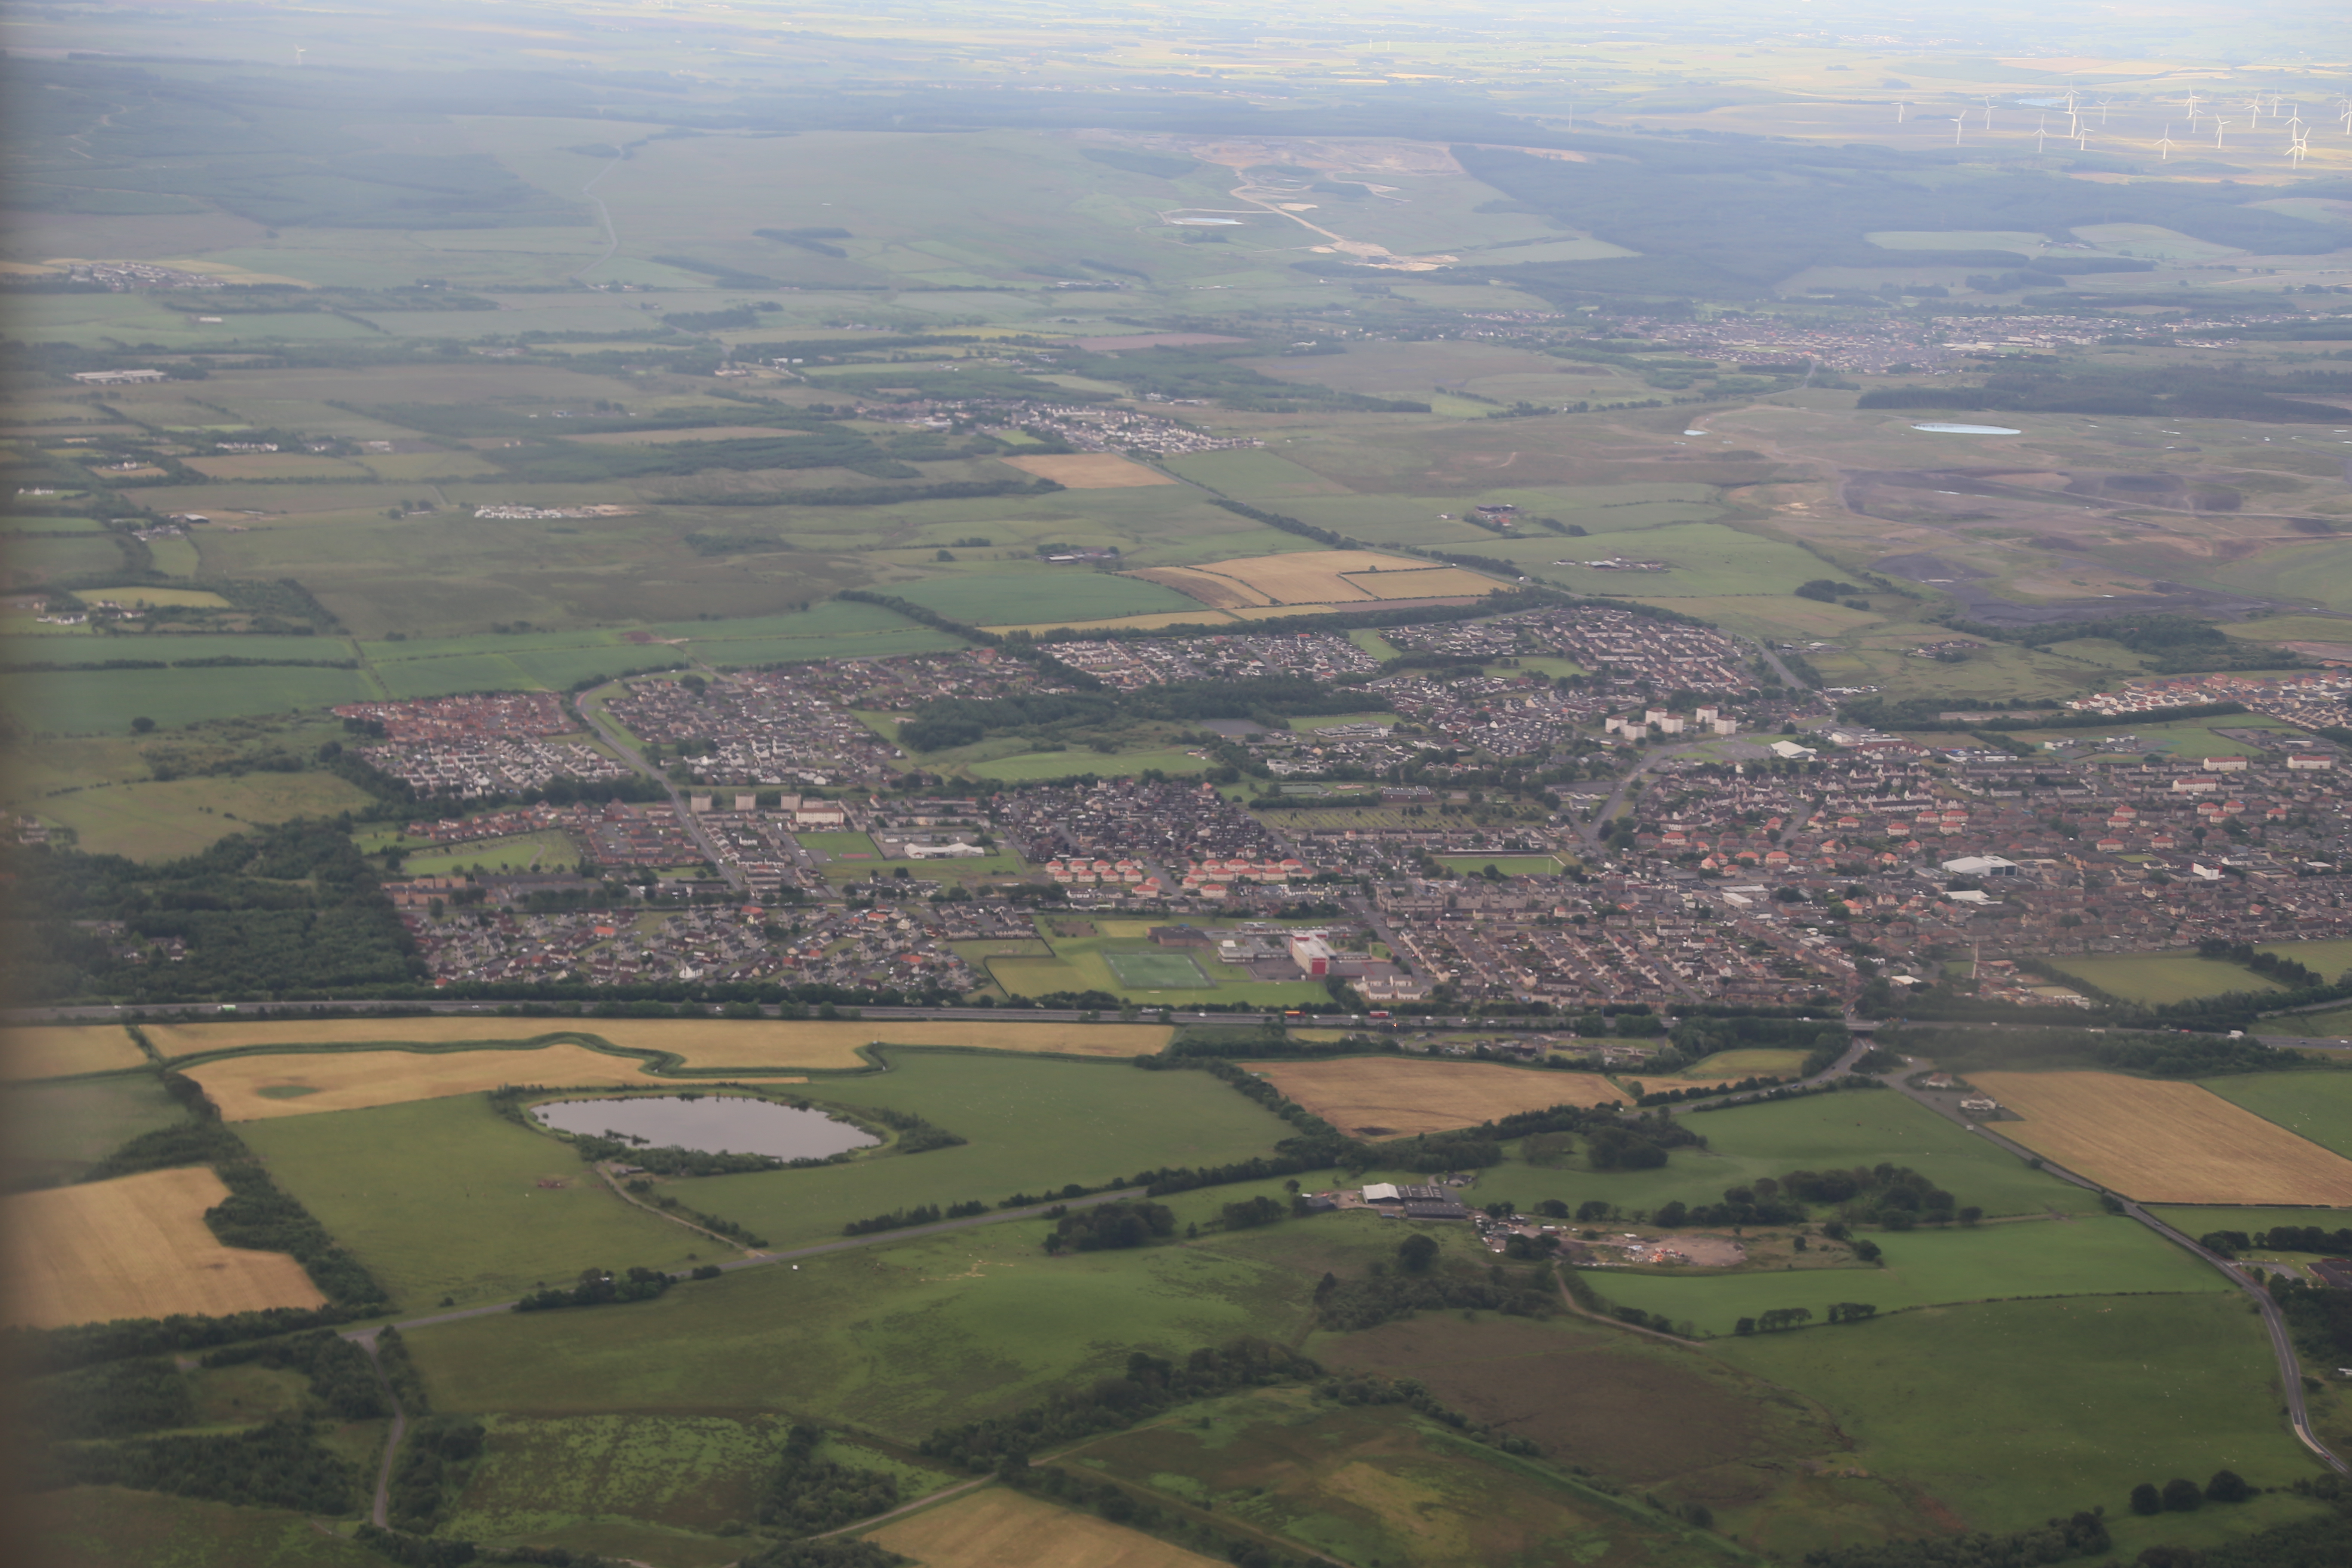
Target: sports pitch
(1158,971)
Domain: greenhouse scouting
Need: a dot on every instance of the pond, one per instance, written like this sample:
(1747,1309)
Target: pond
(711,1123)
(1942,429)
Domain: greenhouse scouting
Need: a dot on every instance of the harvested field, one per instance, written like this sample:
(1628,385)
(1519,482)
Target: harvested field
(1319,577)
(1089,471)
(1431,583)
(1216,592)
(383,1061)
(136,1248)
(55,1052)
(700,1044)
(2165,1142)
(1001,1528)
(277,1083)
(1383,1096)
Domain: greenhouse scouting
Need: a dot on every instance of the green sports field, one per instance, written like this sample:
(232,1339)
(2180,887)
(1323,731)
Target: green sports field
(1157,971)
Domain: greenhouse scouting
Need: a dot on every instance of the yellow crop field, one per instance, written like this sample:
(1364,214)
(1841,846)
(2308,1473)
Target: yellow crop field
(1001,1528)
(2165,1142)
(1089,471)
(300,1083)
(1436,582)
(1317,577)
(277,1081)
(1212,589)
(55,1052)
(136,1246)
(1385,1096)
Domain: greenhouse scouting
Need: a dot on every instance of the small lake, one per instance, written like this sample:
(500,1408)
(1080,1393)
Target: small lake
(714,1124)
(1940,429)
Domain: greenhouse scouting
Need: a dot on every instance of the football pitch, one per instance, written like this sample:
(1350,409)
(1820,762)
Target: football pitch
(1158,971)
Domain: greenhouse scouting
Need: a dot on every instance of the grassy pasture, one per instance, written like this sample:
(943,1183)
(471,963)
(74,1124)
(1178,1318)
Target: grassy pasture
(38,1051)
(135,1247)
(1382,1485)
(2008,1413)
(162,819)
(81,701)
(1757,1062)
(2166,1142)
(2314,1105)
(1025,593)
(1030,1125)
(1389,1096)
(1028,766)
(549,1481)
(2329,958)
(2098,1255)
(530,851)
(895,1338)
(62,1130)
(1745,1142)
(442,1198)
(2156,977)
(104,1527)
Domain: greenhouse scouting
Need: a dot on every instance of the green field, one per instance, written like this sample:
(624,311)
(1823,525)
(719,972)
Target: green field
(895,1338)
(162,819)
(1509,865)
(1032,1125)
(62,1130)
(81,702)
(548,851)
(1757,1062)
(1843,1129)
(1026,766)
(2331,959)
(440,1198)
(2010,1413)
(2316,1105)
(1027,595)
(2160,977)
(104,1527)
(2099,1255)
(1158,971)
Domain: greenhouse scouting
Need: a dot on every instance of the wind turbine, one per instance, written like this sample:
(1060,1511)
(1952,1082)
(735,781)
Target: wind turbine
(2103,104)
(1900,106)
(2040,134)
(2218,126)
(2164,146)
(1988,103)
(298,53)
(1958,121)
(2297,151)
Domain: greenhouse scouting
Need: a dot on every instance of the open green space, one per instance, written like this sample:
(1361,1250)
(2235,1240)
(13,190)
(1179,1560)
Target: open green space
(2330,958)
(548,851)
(1081,964)
(2316,1105)
(1744,1142)
(2091,1256)
(1746,1063)
(896,1338)
(1157,971)
(1026,767)
(1029,1125)
(1472,864)
(2011,1412)
(441,1198)
(2160,977)
(81,702)
(1031,594)
(104,1527)
(161,819)
(59,1131)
